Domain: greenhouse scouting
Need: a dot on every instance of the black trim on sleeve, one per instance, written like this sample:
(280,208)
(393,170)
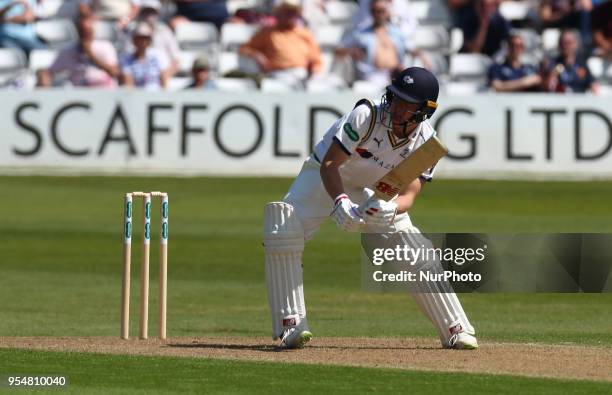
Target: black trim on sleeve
(337,140)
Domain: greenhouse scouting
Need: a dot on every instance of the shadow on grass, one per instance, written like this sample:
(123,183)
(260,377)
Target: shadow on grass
(217,346)
(274,348)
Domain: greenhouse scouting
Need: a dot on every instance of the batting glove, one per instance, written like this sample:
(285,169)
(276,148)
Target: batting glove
(346,214)
(377,212)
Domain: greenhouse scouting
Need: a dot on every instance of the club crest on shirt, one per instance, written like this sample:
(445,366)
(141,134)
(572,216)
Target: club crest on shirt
(364,153)
(350,132)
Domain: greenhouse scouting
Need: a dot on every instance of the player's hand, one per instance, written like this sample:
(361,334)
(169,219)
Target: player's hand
(346,214)
(378,212)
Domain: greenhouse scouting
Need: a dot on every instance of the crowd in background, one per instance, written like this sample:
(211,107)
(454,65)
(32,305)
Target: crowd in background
(316,45)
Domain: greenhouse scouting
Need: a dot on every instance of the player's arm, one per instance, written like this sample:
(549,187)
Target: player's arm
(518,84)
(330,169)
(408,195)
(347,132)
(345,214)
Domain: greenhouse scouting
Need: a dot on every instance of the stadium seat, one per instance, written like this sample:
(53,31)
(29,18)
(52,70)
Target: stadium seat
(550,40)
(228,61)
(605,90)
(368,88)
(231,61)
(57,33)
(430,12)
(106,30)
(329,36)
(456,40)
(42,59)
(186,59)
(235,5)
(514,10)
(274,85)
(50,9)
(13,65)
(469,67)
(439,64)
(600,69)
(235,84)
(327,58)
(196,35)
(420,9)
(178,83)
(235,34)
(431,38)
(340,12)
(463,88)
(329,83)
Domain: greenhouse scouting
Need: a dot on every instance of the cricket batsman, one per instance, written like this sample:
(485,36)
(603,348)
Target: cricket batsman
(358,149)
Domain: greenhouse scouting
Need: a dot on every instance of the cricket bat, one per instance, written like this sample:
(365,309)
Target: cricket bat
(427,155)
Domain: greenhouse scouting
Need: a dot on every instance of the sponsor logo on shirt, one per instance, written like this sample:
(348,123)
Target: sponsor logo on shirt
(350,132)
(364,153)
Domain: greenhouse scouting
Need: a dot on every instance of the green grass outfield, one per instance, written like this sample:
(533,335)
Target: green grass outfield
(104,374)
(60,273)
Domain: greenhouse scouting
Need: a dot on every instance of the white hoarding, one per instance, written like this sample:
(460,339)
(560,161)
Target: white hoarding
(491,136)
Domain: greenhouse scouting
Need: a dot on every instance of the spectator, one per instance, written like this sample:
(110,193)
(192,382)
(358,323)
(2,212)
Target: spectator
(143,68)
(90,62)
(574,14)
(568,73)
(401,15)
(484,28)
(379,49)
(164,41)
(214,11)
(286,51)
(512,75)
(200,74)
(122,11)
(601,23)
(16,25)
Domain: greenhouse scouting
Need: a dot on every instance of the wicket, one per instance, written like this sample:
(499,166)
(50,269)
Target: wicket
(144,265)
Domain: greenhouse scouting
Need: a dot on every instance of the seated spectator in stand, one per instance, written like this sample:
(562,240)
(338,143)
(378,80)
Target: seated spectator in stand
(484,28)
(513,75)
(164,40)
(122,11)
(16,25)
(200,73)
(90,62)
(601,23)
(286,51)
(568,73)
(214,11)
(401,15)
(143,68)
(378,50)
(574,14)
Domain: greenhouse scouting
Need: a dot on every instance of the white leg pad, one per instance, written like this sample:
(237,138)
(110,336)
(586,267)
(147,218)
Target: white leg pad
(283,245)
(438,300)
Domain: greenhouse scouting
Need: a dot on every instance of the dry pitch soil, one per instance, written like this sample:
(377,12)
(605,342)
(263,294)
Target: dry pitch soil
(535,360)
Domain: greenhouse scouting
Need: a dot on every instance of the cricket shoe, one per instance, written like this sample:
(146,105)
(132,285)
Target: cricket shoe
(462,341)
(296,336)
